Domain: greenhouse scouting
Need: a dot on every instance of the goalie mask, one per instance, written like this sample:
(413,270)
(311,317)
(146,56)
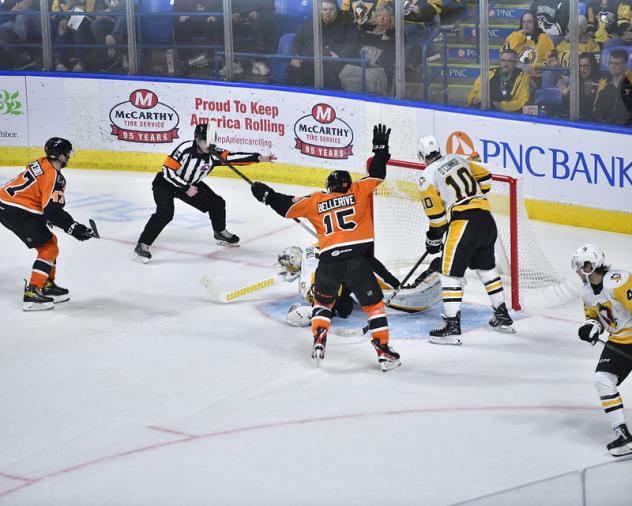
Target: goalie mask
(205,135)
(588,256)
(289,260)
(428,148)
(339,181)
(299,316)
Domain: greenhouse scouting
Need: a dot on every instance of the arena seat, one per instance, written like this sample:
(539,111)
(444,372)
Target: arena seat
(296,7)
(155,30)
(550,98)
(278,68)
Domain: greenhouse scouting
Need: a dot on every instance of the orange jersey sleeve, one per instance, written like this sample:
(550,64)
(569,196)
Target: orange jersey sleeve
(35,188)
(343,221)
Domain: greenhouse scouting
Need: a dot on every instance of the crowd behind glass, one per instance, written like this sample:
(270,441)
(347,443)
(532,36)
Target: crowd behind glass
(541,60)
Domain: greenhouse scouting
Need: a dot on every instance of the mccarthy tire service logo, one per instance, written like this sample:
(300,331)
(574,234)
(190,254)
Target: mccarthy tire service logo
(323,135)
(144,119)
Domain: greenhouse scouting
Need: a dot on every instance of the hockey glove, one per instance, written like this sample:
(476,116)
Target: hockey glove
(262,192)
(79,231)
(380,139)
(433,246)
(590,331)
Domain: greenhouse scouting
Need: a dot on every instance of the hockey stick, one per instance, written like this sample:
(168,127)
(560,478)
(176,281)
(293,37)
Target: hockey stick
(616,350)
(250,182)
(95,230)
(365,329)
(218,295)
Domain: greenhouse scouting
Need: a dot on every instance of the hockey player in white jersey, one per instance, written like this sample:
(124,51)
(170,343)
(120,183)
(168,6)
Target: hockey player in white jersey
(607,297)
(453,195)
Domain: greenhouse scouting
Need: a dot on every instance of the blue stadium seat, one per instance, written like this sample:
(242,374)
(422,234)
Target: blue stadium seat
(550,98)
(603,59)
(156,30)
(279,66)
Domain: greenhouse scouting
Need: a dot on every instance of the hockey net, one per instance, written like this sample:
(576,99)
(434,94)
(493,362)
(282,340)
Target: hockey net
(400,226)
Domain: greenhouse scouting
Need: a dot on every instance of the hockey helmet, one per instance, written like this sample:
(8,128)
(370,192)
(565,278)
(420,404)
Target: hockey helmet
(590,254)
(206,132)
(426,147)
(56,146)
(299,316)
(339,181)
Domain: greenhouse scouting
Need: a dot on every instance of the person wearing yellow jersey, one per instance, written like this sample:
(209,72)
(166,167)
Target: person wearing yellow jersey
(453,196)
(607,297)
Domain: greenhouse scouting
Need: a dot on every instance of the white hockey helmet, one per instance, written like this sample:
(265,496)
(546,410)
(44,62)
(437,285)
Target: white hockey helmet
(427,146)
(290,259)
(299,316)
(588,254)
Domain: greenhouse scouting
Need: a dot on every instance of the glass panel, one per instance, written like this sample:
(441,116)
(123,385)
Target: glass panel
(20,35)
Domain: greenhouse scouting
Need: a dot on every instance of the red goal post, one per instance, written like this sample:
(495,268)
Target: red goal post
(400,226)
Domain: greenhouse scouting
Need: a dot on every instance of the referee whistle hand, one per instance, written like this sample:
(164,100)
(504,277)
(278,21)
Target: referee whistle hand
(267,158)
(191,191)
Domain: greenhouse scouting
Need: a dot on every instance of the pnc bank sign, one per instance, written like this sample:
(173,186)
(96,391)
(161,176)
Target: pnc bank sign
(546,161)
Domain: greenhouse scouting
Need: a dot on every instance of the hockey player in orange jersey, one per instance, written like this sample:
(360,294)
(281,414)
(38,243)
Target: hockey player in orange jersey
(27,203)
(344,224)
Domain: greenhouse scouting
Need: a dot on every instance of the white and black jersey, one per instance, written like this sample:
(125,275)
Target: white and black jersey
(186,165)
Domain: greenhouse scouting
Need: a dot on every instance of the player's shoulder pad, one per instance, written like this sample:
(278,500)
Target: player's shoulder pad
(615,278)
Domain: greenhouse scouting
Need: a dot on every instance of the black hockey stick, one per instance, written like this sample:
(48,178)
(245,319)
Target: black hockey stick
(615,349)
(95,230)
(250,182)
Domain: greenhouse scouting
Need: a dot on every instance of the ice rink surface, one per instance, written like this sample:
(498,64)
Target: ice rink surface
(142,391)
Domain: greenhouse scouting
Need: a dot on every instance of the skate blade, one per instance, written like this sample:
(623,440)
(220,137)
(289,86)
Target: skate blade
(140,259)
(505,329)
(453,342)
(388,365)
(228,244)
(37,306)
(623,451)
(58,299)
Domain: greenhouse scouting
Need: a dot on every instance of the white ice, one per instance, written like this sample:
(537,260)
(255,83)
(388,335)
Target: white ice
(142,391)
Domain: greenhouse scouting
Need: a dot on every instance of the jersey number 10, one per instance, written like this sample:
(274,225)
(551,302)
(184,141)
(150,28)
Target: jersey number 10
(465,187)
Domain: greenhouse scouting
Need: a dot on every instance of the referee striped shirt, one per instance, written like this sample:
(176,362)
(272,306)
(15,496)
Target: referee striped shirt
(186,165)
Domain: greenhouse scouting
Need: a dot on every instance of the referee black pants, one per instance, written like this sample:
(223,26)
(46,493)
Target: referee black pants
(206,201)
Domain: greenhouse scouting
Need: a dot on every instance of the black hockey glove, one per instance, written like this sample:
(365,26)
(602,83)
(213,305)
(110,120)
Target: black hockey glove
(380,139)
(590,331)
(79,231)
(433,245)
(262,192)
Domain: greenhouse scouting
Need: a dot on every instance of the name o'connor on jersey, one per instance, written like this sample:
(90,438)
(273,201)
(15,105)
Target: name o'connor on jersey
(445,168)
(335,203)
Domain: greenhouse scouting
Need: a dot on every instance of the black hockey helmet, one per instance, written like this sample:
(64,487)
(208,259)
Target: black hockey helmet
(339,181)
(56,146)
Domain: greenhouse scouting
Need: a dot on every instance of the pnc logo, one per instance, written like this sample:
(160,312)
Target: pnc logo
(459,143)
(143,99)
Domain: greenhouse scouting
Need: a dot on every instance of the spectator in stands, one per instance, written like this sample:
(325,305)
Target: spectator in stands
(16,31)
(533,47)
(110,29)
(338,40)
(205,30)
(589,76)
(377,47)
(252,23)
(586,44)
(624,38)
(552,17)
(71,29)
(613,103)
(605,16)
(508,85)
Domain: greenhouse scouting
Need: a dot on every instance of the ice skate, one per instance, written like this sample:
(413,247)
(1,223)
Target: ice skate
(225,238)
(501,321)
(449,333)
(386,356)
(141,253)
(320,341)
(622,446)
(35,300)
(55,292)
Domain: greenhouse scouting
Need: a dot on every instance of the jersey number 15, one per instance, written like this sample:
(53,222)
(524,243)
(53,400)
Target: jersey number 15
(341,221)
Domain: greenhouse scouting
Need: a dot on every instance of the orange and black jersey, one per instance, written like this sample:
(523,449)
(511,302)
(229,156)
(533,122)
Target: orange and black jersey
(343,221)
(38,190)
(186,165)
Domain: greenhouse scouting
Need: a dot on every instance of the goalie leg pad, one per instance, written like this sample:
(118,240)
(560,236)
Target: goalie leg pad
(299,316)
